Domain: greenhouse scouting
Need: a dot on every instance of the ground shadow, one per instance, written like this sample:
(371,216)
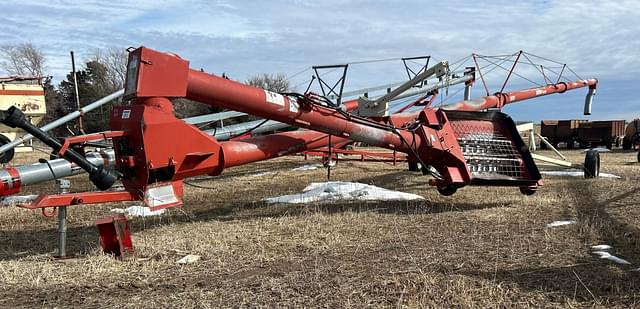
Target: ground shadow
(589,278)
(32,242)
(82,239)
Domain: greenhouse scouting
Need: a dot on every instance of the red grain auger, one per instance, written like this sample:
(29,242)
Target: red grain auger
(155,151)
(461,144)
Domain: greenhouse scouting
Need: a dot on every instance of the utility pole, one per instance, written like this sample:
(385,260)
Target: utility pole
(75,85)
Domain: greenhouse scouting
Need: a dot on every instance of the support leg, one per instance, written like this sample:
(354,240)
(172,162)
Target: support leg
(532,141)
(63,188)
(62,232)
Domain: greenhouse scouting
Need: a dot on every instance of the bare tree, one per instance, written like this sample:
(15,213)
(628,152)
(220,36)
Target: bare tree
(115,62)
(22,59)
(271,82)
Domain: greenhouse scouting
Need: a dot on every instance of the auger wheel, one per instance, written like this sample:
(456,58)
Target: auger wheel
(529,190)
(447,190)
(592,164)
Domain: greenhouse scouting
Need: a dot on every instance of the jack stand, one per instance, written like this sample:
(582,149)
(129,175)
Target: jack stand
(115,237)
(63,187)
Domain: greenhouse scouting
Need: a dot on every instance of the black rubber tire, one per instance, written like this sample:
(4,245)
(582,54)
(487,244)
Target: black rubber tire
(626,144)
(447,191)
(528,190)
(543,146)
(638,156)
(413,166)
(9,154)
(592,164)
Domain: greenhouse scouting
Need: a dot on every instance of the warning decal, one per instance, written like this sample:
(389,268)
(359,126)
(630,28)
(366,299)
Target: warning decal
(274,98)
(293,105)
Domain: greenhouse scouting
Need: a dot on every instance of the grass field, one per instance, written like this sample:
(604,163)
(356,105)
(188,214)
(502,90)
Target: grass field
(482,247)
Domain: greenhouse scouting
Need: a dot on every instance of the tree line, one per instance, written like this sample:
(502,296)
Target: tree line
(102,74)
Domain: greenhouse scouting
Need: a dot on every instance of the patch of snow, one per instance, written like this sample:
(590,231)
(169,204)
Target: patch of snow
(598,149)
(576,173)
(138,211)
(18,200)
(188,259)
(607,175)
(601,247)
(307,167)
(618,260)
(346,191)
(561,223)
(613,258)
(601,254)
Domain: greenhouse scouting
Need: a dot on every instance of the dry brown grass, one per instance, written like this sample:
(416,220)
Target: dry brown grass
(483,247)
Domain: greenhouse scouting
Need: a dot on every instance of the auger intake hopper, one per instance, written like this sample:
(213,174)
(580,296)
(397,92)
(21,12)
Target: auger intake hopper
(494,151)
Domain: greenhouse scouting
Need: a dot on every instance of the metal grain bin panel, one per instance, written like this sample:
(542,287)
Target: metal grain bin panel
(548,128)
(567,128)
(616,127)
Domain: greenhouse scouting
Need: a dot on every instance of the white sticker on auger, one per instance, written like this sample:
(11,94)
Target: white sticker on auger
(274,98)
(293,105)
(126,113)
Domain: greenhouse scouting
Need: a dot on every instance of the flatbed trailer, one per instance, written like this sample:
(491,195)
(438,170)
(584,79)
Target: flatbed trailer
(601,133)
(584,133)
(560,131)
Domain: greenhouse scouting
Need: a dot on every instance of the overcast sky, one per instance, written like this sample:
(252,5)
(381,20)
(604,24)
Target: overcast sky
(598,39)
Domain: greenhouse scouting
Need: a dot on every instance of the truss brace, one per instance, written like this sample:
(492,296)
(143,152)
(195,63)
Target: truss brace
(334,91)
(411,73)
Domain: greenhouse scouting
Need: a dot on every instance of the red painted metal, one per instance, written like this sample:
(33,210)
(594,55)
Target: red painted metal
(87,138)
(164,149)
(153,148)
(432,140)
(242,136)
(229,94)
(513,67)
(228,154)
(425,100)
(115,237)
(234,153)
(500,99)
(421,101)
(14,186)
(484,83)
(145,63)
(68,199)
(274,145)
(365,156)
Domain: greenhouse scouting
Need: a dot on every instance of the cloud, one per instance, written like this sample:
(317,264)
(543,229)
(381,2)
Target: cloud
(241,38)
